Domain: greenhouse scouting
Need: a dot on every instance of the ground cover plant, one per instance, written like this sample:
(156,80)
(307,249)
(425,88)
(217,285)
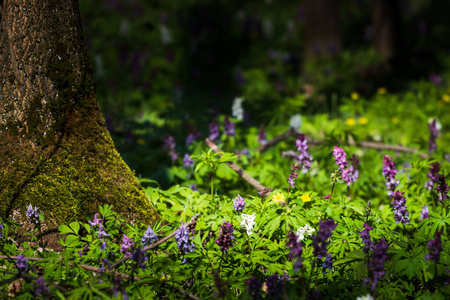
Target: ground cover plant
(315,213)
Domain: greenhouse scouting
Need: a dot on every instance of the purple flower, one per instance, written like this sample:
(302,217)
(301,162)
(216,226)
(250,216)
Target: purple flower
(188,162)
(192,137)
(140,258)
(126,244)
(118,288)
(239,203)
(262,136)
(442,187)
(320,240)
(341,160)
(304,158)
(228,127)
(226,237)
(182,237)
(433,175)
(193,187)
(149,237)
(293,175)
(400,210)
(169,146)
(365,236)
(105,262)
(254,288)
(389,172)
(1,231)
(214,130)
(21,263)
(33,215)
(96,221)
(354,167)
(327,197)
(101,232)
(433,136)
(435,247)
(274,287)
(40,287)
(425,213)
(296,250)
(328,263)
(376,264)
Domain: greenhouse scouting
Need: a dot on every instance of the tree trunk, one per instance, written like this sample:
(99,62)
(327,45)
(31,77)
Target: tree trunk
(386,24)
(55,150)
(322,29)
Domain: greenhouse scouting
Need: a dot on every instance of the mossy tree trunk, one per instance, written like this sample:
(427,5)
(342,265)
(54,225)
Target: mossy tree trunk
(55,151)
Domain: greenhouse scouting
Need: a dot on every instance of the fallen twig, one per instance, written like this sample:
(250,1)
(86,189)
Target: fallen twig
(244,175)
(363,144)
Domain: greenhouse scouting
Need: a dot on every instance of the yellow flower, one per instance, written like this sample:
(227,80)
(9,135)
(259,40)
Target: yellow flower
(355,96)
(381,91)
(278,198)
(395,120)
(350,122)
(305,198)
(363,121)
(446,98)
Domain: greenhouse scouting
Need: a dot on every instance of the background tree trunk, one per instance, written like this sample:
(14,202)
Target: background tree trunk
(322,29)
(55,150)
(386,24)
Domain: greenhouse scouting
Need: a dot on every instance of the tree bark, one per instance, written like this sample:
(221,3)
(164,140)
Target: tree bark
(55,150)
(322,29)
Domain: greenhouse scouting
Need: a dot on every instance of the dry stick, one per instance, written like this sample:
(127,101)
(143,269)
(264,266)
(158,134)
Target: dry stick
(253,182)
(363,144)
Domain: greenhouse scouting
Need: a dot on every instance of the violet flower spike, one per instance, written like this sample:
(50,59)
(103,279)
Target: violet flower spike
(226,237)
(40,288)
(188,162)
(229,127)
(376,264)
(435,247)
(320,241)
(442,187)
(296,250)
(433,176)
(149,237)
(365,237)
(182,237)
(293,175)
(328,263)
(21,263)
(239,203)
(389,172)
(214,130)
(424,213)
(341,160)
(1,231)
(126,245)
(400,210)
(303,158)
(254,287)
(96,221)
(32,215)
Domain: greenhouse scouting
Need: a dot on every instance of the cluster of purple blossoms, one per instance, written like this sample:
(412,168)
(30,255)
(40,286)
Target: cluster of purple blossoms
(433,176)
(328,263)
(365,236)
(274,287)
(1,231)
(188,162)
(96,221)
(424,213)
(400,210)
(389,172)
(254,288)
(226,237)
(105,263)
(341,160)
(228,127)
(33,215)
(264,192)
(40,288)
(304,158)
(320,240)
(354,167)
(126,245)
(140,258)
(293,175)
(262,136)
(22,263)
(214,130)
(296,250)
(192,137)
(149,237)
(182,236)
(376,264)
(169,146)
(239,203)
(433,136)
(435,247)
(442,187)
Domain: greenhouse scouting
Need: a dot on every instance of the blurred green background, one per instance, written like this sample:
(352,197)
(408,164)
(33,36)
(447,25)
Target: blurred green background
(373,70)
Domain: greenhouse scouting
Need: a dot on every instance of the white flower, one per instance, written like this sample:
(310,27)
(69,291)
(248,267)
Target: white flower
(296,122)
(247,222)
(304,231)
(236,110)
(166,37)
(366,297)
